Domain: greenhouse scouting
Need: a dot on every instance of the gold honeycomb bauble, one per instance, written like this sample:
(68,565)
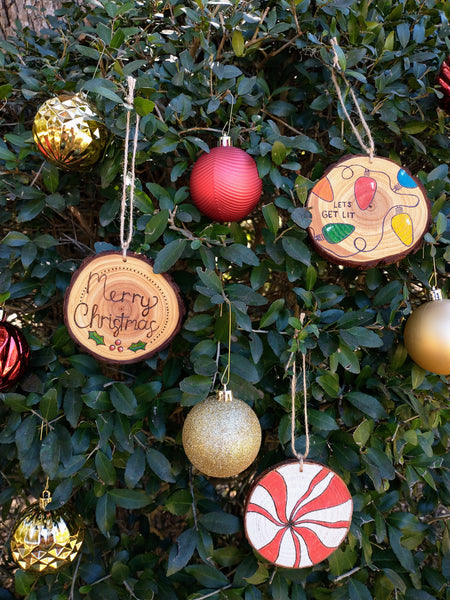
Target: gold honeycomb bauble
(46,541)
(69,133)
(427,335)
(221,435)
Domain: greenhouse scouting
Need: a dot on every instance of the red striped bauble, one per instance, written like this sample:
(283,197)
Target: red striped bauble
(225,185)
(296,518)
(443,82)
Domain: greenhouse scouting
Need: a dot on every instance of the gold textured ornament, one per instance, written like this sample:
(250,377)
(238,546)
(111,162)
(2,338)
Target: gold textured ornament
(221,435)
(427,335)
(69,133)
(46,541)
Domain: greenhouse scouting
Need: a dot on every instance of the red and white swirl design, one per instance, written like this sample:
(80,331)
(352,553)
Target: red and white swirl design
(298,518)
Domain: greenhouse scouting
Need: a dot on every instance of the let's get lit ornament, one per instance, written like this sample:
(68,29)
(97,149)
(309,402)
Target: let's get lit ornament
(367,212)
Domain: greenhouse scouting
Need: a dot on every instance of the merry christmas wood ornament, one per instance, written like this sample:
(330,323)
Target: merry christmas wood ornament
(367,211)
(296,517)
(119,310)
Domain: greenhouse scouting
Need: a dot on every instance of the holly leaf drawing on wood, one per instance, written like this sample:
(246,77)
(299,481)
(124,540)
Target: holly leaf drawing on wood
(135,346)
(98,339)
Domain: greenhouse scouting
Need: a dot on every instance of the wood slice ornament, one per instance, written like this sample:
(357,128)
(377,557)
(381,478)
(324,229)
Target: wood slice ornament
(296,518)
(119,310)
(367,211)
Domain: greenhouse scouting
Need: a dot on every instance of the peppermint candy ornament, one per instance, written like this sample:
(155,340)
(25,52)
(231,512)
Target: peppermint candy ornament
(296,518)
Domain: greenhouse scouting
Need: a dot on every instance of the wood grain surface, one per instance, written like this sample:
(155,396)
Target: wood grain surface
(367,212)
(119,310)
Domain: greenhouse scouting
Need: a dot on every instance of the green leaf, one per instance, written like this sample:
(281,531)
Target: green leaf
(123,399)
(179,503)
(135,467)
(130,499)
(105,469)
(296,249)
(329,382)
(358,591)
(240,255)
(271,217)
(220,522)
(367,404)
(342,560)
(181,552)
(50,454)
(404,556)
(23,582)
(15,239)
(50,177)
(272,313)
(363,432)
(321,420)
(117,39)
(237,42)
(160,465)
(49,405)
(207,575)
(279,152)
(105,513)
(169,255)
(156,226)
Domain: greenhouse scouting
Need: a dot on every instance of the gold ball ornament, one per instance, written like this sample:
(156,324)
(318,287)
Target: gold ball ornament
(427,335)
(221,435)
(69,133)
(46,541)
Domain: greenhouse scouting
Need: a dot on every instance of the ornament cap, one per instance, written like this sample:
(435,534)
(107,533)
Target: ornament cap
(225,395)
(45,499)
(436,294)
(225,140)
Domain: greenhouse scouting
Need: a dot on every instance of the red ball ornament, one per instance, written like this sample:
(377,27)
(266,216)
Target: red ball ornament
(14,354)
(225,185)
(443,82)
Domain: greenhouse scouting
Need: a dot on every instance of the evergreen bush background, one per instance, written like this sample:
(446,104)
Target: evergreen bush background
(109,437)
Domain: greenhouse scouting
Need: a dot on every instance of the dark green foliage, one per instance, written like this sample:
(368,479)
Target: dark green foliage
(109,437)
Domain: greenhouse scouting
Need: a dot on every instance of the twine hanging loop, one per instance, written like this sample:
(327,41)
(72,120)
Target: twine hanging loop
(368,149)
(128,180)
(301,457)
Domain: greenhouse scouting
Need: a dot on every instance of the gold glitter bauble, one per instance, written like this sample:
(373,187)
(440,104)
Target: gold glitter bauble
(46,541)
(427,336)
(221,435)
(69,133)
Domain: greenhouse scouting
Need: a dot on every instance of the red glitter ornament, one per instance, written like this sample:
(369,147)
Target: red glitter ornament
(14,354)
(225,185)
(443,82)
